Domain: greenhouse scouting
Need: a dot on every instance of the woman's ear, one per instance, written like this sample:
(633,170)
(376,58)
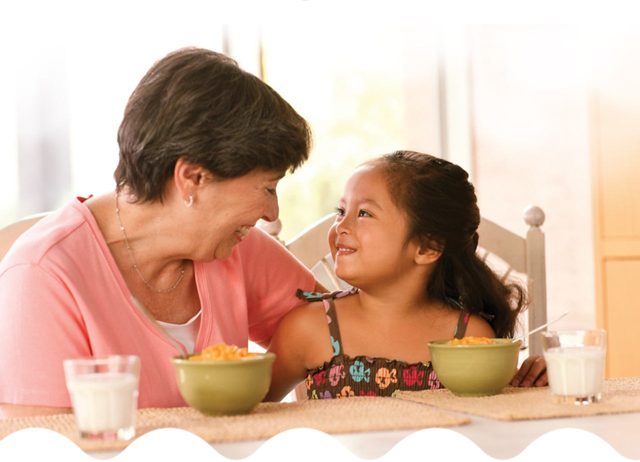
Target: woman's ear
(188,177)
(426,255)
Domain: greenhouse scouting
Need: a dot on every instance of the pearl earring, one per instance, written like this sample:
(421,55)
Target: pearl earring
(189,203)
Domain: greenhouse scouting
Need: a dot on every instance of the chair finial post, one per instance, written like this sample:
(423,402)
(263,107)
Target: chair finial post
(533,216)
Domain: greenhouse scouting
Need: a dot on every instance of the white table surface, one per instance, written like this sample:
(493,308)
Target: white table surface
(497,439)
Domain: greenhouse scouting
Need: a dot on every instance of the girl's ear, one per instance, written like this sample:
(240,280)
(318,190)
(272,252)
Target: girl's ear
(426,255)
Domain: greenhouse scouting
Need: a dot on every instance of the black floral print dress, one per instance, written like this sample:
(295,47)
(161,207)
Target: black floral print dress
(344,377)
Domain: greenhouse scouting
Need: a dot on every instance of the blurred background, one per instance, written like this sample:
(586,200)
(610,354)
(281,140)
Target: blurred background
(518,106)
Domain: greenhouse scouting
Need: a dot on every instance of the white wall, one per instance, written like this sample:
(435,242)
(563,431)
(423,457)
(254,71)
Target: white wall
(531,137)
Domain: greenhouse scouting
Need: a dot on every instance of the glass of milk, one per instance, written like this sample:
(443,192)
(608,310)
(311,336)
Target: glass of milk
(104,395)
(575,364)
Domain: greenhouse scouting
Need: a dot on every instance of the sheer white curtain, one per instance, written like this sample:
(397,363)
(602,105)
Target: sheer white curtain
(508,103)
(63,87)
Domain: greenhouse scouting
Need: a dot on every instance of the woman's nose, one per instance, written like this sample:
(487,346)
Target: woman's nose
(273,209)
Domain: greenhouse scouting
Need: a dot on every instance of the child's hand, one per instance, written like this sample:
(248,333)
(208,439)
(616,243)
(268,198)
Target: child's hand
(533,372)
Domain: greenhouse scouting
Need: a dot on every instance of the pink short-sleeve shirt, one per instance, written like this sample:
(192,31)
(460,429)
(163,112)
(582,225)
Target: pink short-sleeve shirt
(62,296)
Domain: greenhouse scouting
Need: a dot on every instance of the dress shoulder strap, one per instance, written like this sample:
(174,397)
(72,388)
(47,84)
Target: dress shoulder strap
(330,310)
(334,329)
(315,296)
(463,320)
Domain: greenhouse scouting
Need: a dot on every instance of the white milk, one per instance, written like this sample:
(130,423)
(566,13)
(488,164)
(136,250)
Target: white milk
(575,371)
(104,402)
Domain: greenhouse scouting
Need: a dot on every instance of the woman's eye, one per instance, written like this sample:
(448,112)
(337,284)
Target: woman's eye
(363,213)
(271,191)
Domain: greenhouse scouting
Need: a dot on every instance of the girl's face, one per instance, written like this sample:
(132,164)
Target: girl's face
(368,239)
(230,208)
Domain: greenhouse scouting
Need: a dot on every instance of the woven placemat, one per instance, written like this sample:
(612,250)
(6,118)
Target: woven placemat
(352,415)
(618,396)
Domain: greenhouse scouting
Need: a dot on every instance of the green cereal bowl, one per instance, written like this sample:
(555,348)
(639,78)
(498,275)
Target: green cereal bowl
(227,387)
(475,370)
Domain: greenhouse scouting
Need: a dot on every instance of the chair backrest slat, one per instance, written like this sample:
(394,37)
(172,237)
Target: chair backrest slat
(501,242)
(10,233)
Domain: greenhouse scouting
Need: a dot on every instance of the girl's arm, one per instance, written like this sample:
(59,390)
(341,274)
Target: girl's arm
(533,371)
(299,344)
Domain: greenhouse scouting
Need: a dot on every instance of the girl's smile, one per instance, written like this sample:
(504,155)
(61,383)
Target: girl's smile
(368,239)
(344,251)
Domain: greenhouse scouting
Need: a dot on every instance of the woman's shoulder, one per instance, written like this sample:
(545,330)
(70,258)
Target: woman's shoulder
(259,249)
(260,238)
(46,236)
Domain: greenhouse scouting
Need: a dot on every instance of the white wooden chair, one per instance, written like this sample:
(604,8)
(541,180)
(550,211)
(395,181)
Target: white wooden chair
(11,232)
(507,253)
(510,253)
(311,247)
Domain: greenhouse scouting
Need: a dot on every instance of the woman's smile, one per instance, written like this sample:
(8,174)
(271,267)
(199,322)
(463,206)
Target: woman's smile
(242,231)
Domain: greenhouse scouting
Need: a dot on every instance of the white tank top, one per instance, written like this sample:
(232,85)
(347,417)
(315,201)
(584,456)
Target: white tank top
(186,333)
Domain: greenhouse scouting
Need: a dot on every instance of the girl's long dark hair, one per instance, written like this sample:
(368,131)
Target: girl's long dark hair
(443,214)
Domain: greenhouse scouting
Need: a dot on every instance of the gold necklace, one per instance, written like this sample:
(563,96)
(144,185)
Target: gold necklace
(135,265)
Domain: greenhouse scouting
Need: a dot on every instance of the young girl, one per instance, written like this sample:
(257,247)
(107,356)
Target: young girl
(405,238)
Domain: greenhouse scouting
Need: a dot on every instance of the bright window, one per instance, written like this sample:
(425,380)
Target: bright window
(365,92)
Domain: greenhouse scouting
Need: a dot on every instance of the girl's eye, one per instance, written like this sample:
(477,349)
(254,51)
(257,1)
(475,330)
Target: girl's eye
(361,213)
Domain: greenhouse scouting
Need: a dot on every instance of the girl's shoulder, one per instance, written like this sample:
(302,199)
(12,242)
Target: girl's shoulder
(318,310)
(307,322)
(479,327)
(476,325)
(305,317)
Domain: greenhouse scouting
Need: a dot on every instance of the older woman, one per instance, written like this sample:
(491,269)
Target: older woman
(173,252)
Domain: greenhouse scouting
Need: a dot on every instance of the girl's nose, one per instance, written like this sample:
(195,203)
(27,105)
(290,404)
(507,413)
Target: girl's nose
(343,226)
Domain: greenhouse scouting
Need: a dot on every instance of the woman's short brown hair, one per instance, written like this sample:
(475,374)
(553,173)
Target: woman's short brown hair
(199,105)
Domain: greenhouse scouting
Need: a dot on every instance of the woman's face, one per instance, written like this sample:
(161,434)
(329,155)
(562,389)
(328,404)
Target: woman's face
(368,239)
(229,209)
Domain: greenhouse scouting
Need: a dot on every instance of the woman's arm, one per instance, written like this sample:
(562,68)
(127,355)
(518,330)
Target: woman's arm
(40,326)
